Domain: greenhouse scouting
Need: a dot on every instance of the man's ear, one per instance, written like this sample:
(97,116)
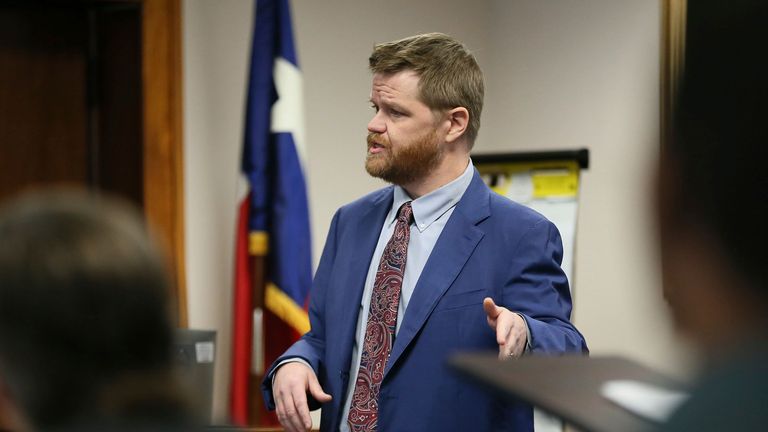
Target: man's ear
(458,120)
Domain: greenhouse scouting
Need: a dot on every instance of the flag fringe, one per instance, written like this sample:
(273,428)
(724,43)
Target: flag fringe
(286,309)
(258,243)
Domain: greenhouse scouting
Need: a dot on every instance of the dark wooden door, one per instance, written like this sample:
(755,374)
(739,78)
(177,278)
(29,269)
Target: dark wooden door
(70,97)
(90,95)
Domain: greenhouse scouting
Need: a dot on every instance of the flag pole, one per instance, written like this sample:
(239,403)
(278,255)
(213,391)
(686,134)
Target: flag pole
(258,246)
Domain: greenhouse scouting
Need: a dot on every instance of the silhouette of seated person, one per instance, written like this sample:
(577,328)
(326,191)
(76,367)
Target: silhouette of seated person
(85,324)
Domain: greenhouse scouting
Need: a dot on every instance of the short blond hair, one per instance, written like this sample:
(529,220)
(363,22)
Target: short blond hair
(449,75)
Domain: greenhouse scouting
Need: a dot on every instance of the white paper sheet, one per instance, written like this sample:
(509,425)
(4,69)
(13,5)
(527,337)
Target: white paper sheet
(646,400)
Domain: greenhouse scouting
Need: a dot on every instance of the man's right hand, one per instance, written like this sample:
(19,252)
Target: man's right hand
(292,382)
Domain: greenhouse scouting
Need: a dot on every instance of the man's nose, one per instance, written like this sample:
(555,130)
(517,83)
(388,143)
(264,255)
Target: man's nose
(377,124)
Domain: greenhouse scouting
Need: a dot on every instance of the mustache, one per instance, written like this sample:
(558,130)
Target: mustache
(378,139)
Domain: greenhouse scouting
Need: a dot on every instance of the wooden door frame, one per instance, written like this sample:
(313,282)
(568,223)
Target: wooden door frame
(163,151)
(672,61)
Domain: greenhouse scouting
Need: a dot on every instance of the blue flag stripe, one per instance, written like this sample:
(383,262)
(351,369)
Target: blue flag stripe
(271,162)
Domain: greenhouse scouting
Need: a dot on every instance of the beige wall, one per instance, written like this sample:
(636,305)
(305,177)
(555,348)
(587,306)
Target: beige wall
(560,74)
(216,44)
(567,74)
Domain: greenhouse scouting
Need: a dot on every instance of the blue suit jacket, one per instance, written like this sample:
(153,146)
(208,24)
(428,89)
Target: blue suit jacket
(490,247)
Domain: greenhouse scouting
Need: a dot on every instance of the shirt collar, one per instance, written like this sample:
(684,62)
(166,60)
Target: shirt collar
(428,208)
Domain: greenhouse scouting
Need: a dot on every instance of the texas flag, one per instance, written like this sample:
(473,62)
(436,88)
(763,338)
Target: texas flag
(273,216)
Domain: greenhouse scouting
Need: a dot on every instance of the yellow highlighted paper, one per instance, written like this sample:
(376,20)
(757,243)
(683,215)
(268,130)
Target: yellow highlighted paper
(549,179)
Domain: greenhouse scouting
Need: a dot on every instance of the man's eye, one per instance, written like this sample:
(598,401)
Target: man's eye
(375,108)
(395,113)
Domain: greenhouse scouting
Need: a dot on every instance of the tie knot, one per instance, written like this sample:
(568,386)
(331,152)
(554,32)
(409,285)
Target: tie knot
(405,214)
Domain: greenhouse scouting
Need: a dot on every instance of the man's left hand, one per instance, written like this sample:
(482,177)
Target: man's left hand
(511,330)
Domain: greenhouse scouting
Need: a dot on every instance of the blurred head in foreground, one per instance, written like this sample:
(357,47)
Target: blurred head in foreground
(714,178)
(713,214)
(85,331)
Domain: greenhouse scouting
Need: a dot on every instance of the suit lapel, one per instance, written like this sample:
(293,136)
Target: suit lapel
(455,245)
(365,231)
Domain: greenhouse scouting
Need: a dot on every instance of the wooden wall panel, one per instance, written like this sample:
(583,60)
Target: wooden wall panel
(90,94)
(116,134)
(43,114)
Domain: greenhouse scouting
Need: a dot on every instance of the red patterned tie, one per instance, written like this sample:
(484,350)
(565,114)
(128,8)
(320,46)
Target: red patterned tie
(380,329)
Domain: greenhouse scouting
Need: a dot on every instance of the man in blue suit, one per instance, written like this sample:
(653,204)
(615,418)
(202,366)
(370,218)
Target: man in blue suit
(420,270)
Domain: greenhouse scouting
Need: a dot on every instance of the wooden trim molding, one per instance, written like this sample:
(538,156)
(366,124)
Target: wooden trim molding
(163,162)
(673,24)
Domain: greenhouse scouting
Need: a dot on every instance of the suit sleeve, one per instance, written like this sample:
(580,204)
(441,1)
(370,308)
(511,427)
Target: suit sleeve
(538,290)
(311,346)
